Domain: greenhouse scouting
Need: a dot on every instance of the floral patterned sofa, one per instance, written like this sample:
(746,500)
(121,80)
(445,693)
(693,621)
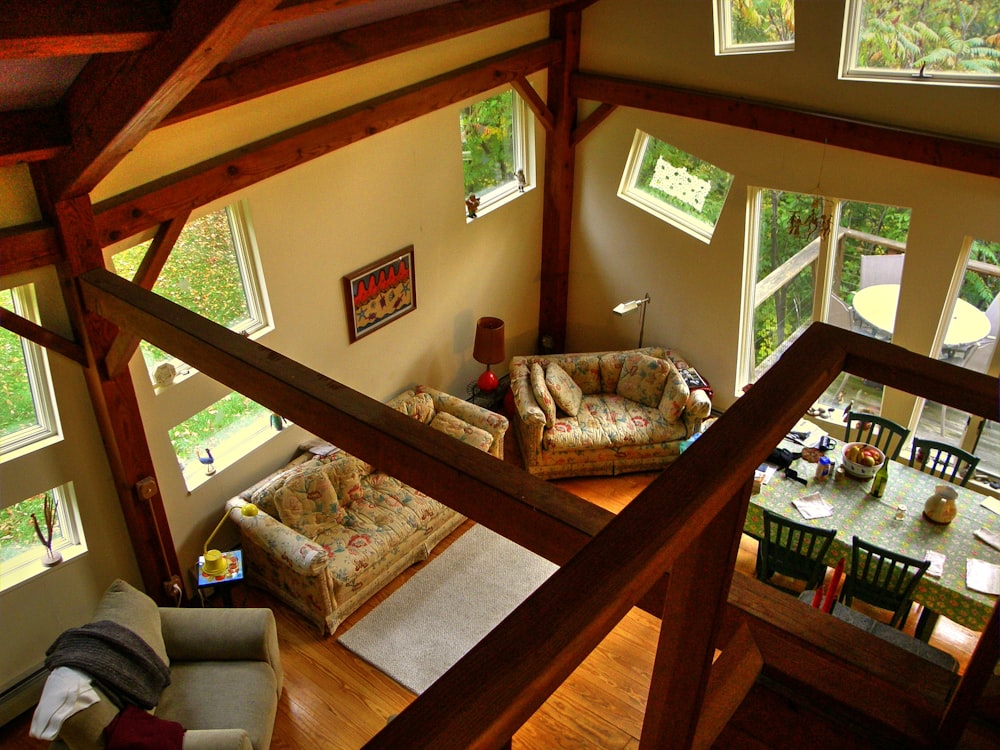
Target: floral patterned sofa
(331,531)
(605,412)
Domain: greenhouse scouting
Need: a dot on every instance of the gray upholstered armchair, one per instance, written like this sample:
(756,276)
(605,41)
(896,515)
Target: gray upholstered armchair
(224,672)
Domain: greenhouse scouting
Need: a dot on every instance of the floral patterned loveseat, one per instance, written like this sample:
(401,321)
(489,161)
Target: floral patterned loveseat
(605,412)
(331,531)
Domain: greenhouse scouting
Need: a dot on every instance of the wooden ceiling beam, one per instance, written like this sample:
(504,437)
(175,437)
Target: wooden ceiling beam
(45,29)
(29,246)
(42,336)
(268,72)
(32,135)
(293,10)
(881,140)
(117,99)
(152,204)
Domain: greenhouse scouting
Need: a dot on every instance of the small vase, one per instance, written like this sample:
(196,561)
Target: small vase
(940,507)
(51,558)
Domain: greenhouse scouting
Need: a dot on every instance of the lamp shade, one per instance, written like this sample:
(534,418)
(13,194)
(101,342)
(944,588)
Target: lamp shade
(489,346)
(215,563)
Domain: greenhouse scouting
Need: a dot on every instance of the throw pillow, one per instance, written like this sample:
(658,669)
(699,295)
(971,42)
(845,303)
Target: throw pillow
(565,392)
(675,395)
(585,370)
(462,431)
(127,606)
(420,406)
(345,472)
(542,395)
(307,499)
(611,370)
(643,378)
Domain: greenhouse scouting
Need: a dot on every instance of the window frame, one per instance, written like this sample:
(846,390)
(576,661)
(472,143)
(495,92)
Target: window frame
(726,45)
(47,428)
(629,192)
(27,565)
(850,71)
(522,125)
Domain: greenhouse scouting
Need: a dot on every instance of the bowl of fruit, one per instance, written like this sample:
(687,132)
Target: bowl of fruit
(861,460)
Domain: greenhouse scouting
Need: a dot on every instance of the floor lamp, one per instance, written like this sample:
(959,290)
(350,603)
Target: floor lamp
(623,308)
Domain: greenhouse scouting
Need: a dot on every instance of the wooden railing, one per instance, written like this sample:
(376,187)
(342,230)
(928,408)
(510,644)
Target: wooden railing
(672,550)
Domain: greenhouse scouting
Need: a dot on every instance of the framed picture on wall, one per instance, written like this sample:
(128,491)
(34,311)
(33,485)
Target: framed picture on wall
(380,293)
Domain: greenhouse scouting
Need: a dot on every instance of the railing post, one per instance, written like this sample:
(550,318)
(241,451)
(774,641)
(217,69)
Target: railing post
(696,594)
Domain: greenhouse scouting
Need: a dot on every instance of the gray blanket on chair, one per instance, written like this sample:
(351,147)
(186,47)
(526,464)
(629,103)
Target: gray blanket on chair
(121,663)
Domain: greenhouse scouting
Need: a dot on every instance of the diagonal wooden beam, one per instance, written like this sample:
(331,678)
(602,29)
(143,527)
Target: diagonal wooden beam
(534,102)
(293,10)
(48,29)
(150,205)
(589,125)
(923,148)
(117,99)
(262,74)
(125,343)
(42,336)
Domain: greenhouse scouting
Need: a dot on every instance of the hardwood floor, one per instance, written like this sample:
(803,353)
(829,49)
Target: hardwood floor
(335,701)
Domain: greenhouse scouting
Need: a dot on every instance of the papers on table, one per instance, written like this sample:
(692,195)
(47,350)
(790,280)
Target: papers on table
(937,563)
(991,503)
(989,537)
(764,473)
(982,576)
(813,506)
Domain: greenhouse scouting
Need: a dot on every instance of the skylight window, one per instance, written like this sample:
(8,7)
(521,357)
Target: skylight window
(675,186)
(953,43)
(753,26)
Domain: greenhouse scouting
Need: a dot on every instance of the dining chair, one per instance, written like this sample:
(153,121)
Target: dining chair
(942,460)
(882,578)
(880,269)
(883,433)
(794,550)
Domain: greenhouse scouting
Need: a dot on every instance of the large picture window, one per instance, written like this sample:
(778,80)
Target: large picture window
(496,150)
(28,416)
(674,186)
(954,42)
(754,26)
(212,270)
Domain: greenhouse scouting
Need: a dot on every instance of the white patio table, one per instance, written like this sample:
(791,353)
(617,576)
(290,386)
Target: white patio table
(876,305)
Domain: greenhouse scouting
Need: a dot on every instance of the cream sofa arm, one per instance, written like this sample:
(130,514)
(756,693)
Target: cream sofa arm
(299,553)
(216,739)
(698,404)
(477,416)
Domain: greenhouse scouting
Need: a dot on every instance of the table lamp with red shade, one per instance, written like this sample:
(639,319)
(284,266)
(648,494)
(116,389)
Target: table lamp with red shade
(489,350)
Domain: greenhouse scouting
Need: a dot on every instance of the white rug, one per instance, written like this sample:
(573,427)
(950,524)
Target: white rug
(436,617)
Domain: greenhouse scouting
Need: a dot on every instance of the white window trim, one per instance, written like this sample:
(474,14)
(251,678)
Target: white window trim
(235,448)
(28,564)
(523,124)
(627,191)
(849,71)
(47,430)
(724,44)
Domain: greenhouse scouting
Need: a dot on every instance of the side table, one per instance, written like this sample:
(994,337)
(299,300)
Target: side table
(222,583)
(492,400)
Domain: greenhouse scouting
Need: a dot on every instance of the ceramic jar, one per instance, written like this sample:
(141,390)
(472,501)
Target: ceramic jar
(940,507)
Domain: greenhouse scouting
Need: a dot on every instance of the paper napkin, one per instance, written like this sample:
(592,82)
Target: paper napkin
(813,506)
(991,503)
(982,576)
(937,563)
(989,537)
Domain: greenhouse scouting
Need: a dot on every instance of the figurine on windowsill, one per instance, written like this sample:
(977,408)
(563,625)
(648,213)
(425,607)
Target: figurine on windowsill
(49,508)
(522,181)
(207,460)
(471,206)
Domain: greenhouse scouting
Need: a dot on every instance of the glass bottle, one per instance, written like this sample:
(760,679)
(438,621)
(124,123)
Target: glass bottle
(881,479)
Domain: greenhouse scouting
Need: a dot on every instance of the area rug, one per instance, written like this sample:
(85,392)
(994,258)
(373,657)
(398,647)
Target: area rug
(436,617)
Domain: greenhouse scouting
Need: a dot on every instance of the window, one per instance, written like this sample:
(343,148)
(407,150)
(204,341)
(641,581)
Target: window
(212,270)
(28,415)
(675,186)
(747,26)
(799,270)
(224,432)
(954,42)
(21,551)
(495,151)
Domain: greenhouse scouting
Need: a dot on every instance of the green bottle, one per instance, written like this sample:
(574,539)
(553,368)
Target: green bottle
(881,479)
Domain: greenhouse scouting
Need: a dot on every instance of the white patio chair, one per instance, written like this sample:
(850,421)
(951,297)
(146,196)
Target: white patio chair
(881,269)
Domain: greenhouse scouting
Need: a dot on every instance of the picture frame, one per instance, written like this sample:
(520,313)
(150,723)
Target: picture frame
(379,293)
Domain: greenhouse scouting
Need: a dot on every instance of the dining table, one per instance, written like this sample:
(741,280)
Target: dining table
(876,306)
(895,522)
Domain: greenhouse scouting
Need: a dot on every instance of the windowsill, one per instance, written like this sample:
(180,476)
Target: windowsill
(225,456)
(499,203)
(29,571)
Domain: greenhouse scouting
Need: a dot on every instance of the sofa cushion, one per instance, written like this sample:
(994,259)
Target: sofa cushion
(462,431)
(611,370)
(675,395)
(643,378)
(307,499)
(584,369)
(127,606)
(542,395)
(345,472)
(565,392)
(420,406)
